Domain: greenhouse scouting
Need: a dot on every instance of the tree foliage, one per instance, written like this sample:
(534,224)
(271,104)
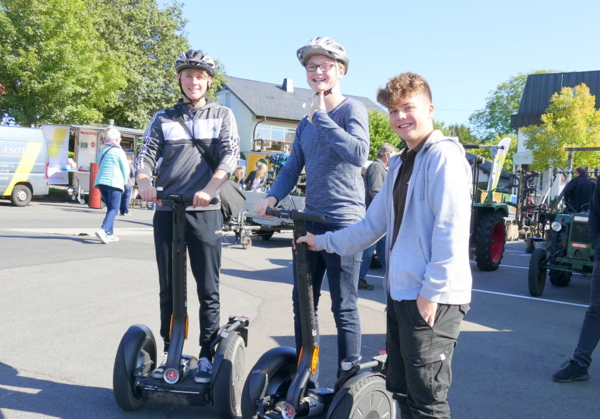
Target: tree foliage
(54,64)
(494,119)
(381,132)
(571,120)
(88,61)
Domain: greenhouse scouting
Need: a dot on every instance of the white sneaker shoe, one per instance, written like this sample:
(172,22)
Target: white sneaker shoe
(112,238)
(101,234)
(160,370)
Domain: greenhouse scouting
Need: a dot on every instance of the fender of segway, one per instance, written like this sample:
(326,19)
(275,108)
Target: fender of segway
(269,363)
(134,339)
(220,352)
(348,385)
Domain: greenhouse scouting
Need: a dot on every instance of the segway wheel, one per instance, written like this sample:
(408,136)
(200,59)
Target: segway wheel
(229,382)
(136,350)
(366,398)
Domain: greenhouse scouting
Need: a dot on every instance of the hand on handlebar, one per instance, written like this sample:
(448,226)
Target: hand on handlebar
(148,194)
(260,206)
(201,199)
(310,241)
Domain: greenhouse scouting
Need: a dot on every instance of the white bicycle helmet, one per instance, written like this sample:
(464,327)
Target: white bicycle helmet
(323,45)
(195,58)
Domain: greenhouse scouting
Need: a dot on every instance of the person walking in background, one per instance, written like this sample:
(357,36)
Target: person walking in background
(113,173)
(126,198)
(332,145)
(424,207)
(576,369)
(374,177)
(199,145)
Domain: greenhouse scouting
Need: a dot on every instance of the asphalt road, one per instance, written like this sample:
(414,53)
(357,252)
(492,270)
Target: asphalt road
(66,300)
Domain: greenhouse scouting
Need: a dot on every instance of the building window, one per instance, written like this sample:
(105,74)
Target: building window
(273,138)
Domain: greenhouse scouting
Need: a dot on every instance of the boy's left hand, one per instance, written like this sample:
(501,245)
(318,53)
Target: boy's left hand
(427,309)
(318,103)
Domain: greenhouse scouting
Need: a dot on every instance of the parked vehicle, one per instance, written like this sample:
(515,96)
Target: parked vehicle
(23,164)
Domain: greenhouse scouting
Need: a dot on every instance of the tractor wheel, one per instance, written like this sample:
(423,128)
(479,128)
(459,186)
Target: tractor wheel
(559,278)
(537,272)
(490,237)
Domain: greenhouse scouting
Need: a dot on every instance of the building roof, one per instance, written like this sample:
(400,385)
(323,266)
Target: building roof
(539,88)
(273,101)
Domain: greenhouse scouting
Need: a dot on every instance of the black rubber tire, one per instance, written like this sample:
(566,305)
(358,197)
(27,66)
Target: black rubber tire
(246,242)
(265,234)
(559,278)
(21,196)
(367,398)
(229,382)
(537,272)
(490,239)
(283,376)
(127,395)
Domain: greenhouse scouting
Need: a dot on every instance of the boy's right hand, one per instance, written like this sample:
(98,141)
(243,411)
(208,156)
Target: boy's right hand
(310,241)
(260,206)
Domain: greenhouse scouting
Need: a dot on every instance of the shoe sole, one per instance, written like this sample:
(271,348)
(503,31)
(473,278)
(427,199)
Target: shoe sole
(202,380)
(570,380)
(101,239)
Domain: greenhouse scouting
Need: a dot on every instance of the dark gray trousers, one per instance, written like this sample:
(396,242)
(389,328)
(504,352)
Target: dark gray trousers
(419,366)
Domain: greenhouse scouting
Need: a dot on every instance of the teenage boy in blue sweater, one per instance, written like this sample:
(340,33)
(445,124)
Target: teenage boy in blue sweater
(332,145)
(424,207)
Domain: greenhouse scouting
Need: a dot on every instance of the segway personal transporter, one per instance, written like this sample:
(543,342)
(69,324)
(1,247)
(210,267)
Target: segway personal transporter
(278,385)
(133,383)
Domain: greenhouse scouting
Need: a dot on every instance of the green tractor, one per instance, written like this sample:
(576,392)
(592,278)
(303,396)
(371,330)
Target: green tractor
(489,209)
(567,249)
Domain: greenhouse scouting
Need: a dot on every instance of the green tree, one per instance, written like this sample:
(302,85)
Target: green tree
(571,120)
(494,119)
(54,64)
(381,132)
(150,39)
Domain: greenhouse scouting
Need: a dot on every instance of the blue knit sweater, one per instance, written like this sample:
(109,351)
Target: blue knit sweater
(332,151)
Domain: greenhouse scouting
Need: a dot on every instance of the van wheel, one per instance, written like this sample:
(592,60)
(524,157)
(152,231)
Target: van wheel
(21,196)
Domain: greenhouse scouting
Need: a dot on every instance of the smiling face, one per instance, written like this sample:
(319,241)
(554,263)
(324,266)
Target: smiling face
(194,83)
(319,80)
(412,118)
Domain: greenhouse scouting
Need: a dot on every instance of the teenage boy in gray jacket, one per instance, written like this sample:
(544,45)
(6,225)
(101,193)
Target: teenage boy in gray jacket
(424,207)
(183,169)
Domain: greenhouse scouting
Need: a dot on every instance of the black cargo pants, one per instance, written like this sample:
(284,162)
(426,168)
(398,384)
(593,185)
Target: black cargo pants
(419,366)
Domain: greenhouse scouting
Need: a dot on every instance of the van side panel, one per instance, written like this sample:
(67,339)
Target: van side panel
(25,167)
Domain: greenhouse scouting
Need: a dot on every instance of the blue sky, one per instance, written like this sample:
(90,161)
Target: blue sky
(464,48)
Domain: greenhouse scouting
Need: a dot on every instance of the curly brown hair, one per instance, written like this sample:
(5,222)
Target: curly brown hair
(401,87)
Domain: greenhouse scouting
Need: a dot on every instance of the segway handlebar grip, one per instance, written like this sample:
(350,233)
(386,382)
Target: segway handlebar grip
(296,215)
(176,197)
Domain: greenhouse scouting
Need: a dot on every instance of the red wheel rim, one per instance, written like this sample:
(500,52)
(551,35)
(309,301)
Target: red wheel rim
(497,246)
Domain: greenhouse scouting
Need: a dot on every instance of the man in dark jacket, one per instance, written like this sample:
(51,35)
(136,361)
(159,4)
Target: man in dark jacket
(579,190)
(186,170)
(576,369)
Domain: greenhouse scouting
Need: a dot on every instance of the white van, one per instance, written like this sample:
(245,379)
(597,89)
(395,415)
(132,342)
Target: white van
(23,164)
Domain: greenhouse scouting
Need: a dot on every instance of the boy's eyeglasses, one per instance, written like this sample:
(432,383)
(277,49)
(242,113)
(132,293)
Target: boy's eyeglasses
(325,67)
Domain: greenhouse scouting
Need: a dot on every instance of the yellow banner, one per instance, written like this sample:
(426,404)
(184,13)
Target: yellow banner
(28,159)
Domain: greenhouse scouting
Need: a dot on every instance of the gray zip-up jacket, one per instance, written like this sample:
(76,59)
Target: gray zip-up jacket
(431,254)
(183,169)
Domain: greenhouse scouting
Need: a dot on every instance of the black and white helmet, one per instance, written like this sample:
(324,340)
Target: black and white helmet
(195,58)
(323,45)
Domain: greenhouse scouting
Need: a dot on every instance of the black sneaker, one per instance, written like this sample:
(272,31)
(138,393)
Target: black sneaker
(571,371)
(203,371)
(364,285)
(160,370)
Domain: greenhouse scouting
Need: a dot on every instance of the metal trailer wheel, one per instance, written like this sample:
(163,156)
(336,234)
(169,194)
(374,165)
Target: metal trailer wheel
(559,278)
(137,351)
(489,241)
(537,272)
(365,399)
(228,384)
(246,242)
(21,196)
